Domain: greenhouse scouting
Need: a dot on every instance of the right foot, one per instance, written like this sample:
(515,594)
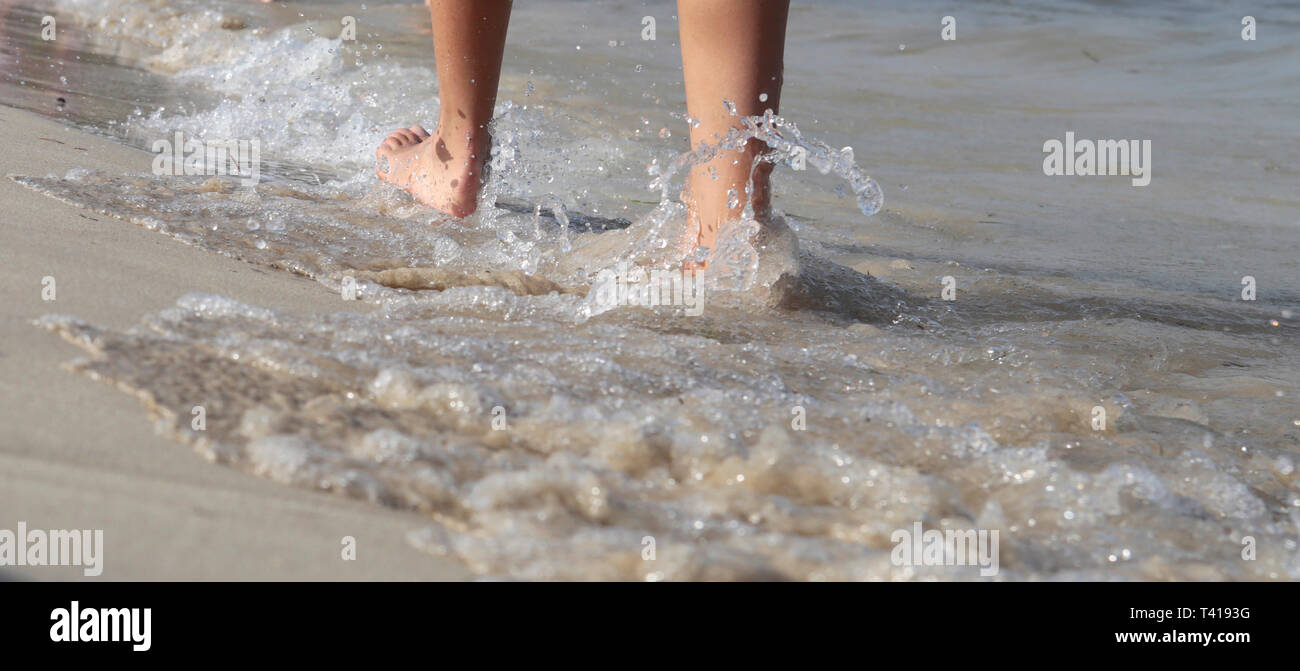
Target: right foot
(446,176)
(710,201)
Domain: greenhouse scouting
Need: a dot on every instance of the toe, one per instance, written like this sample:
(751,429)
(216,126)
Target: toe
(402,137)
(399,138)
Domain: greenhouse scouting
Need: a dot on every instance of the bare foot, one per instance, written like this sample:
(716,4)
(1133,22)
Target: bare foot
(446,176)
(715,194)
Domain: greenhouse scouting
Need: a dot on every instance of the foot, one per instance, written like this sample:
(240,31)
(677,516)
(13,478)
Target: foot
(445,175)
(715,195)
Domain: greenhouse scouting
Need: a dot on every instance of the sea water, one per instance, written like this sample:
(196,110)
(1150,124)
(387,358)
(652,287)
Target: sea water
(1069,361)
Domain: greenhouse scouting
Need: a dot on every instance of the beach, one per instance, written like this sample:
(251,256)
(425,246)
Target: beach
(1032,287)
(80,455)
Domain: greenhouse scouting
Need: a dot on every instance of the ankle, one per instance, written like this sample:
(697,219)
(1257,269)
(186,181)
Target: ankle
(722,195)
(463,136)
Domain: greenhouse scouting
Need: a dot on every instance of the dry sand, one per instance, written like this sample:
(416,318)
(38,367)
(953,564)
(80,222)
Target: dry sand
(78,454)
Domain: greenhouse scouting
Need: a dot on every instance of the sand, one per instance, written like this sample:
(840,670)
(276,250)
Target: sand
(78,454)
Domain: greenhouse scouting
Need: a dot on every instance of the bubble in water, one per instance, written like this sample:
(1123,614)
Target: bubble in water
(762,97)
(664,133)
(870,197)
(733,199)
(639,67)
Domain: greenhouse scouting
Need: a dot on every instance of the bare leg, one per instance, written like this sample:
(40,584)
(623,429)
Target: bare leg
(731,50)
(445,170)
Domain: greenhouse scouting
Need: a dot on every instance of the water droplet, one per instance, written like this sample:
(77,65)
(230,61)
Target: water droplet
(870,198)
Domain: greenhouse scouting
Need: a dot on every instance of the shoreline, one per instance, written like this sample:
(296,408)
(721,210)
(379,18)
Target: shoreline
(78,454)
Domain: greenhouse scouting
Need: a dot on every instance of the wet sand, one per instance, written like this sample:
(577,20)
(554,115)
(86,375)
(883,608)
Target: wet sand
(80,455)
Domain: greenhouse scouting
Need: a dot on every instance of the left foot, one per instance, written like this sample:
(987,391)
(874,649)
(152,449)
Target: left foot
(445,175)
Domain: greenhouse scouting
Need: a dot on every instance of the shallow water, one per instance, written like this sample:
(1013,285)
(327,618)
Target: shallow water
(547,436)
